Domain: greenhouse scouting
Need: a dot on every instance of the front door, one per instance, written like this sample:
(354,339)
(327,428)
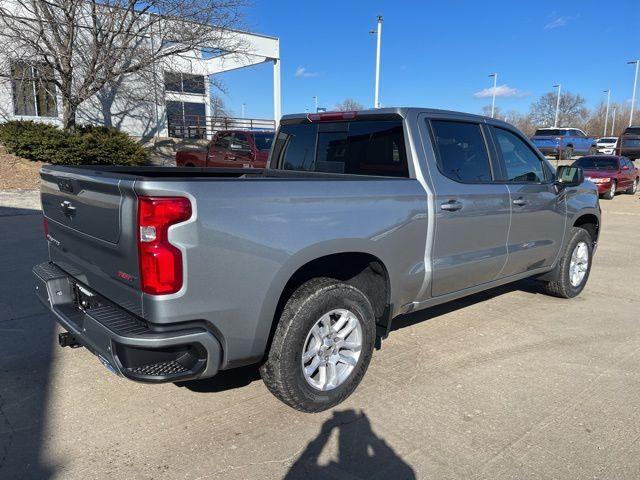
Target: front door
(219,150)
(471,210)
(538,210)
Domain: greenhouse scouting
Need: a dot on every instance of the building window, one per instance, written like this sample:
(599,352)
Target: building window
(34,92)
(184,83)
(186,119)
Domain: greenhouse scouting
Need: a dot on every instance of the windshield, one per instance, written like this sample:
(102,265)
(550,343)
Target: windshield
(598,163)
(554,132)
(607,140)
(263,141)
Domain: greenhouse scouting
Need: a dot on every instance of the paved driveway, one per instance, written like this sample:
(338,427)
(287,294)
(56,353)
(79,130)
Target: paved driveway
(506,384)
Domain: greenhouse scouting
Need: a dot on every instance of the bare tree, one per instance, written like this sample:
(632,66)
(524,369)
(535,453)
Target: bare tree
(349,105)
(497,113)
(572,111)
(84,46)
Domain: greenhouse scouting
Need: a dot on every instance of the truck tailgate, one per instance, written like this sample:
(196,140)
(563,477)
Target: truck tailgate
(91,229)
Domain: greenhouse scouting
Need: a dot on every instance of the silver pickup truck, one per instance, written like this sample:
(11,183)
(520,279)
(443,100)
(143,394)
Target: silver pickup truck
(171,274)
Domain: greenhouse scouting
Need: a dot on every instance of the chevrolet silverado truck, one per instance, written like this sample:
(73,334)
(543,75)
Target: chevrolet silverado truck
(230,149)
(564,143)
(170,274)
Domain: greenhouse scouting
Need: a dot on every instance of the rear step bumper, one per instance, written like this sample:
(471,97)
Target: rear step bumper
(124,343)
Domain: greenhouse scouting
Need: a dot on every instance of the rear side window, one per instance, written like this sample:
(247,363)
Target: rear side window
(358,148)
(461,151)
(223,140)
(521,163)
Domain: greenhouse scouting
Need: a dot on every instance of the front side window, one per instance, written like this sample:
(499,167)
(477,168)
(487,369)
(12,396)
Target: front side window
(521,163)
(34,91)
(358,148)
(461,151)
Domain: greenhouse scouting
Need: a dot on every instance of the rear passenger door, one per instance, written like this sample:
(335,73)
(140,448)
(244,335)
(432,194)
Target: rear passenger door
(220,149)
(538,209)
(471,210)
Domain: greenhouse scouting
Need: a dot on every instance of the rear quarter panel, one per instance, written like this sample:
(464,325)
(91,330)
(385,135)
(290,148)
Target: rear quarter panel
(248,237)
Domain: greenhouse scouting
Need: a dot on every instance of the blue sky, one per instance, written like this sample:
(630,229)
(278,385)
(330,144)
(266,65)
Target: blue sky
(439,53)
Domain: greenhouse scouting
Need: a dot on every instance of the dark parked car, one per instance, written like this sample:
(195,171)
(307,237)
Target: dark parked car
(564,142)
(610,173)
(629,143)
(230,149)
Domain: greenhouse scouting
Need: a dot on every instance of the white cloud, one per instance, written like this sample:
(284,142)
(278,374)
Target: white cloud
(556,22)
(501,91)
(302,72)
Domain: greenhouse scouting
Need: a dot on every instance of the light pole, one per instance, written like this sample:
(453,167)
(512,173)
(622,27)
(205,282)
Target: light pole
(493,101)
(613,120)
(633,96)
(559,87)
(243,105)
(606,117)
(315,101)
(378,31)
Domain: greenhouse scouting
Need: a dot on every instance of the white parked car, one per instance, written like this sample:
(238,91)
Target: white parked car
(607,145)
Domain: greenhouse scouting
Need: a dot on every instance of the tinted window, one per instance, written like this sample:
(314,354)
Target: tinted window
(461,151)
(632,131)
(521,163)
(184,83)
(554,132)
(628,142)
(358,148)
(263,141)
(607,140)
(597,163)
(242,141)
(223,140)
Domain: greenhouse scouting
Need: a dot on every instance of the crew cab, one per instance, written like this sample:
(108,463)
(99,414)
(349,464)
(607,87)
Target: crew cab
(629,143)
(563,143)
(169,274)
(230,149)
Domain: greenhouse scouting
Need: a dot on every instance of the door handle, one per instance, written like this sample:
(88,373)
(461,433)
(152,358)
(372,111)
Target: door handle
(451,206)
(521,202)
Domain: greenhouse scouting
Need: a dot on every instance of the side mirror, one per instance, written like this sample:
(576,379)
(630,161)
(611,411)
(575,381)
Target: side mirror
(567,176)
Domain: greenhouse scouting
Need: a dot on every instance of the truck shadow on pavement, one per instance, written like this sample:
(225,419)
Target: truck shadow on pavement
(26,349)
(360,453)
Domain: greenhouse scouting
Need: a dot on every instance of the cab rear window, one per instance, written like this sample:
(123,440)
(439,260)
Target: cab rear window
(365,147)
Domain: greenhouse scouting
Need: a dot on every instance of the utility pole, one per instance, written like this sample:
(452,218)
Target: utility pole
(606,117)
(559,87)
(633,96)
(493,101)
(378,31)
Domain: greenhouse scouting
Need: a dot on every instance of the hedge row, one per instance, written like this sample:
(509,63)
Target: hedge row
(88,145)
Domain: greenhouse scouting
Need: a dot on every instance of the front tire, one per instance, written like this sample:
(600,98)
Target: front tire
(633,188)
(322,345)
(572,271)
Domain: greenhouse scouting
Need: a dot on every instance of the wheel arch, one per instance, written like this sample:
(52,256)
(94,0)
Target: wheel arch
(591,223)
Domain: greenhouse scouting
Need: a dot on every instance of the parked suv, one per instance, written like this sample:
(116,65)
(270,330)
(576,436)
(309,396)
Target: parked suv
(169,274)
(563,143)
(230,149)
(629,144)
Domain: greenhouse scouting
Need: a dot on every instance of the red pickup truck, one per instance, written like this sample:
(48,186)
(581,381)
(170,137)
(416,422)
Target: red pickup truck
(230,149)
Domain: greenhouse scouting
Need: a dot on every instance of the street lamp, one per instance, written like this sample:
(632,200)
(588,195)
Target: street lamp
(315,100)
(633,96)
(613,120)
(493,101)
(243,105)
(606,117)
(378,31)
(559,87)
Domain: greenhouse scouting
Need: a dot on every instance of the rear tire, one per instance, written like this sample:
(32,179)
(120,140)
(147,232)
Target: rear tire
(571,273)
(611,192)
(633,188)
(593,151)
(568,153)
(286,371)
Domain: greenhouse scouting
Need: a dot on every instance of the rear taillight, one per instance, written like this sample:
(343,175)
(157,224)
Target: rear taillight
(160,261)
(331,116)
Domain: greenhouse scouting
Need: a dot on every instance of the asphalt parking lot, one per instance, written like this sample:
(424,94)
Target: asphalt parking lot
(509,383)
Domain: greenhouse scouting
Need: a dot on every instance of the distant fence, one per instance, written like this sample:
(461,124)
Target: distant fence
(197,126)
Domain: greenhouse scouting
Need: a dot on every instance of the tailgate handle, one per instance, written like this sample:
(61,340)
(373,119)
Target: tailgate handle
(68,209)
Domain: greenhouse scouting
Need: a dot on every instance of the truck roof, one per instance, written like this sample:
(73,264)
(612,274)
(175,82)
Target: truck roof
(392,112)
